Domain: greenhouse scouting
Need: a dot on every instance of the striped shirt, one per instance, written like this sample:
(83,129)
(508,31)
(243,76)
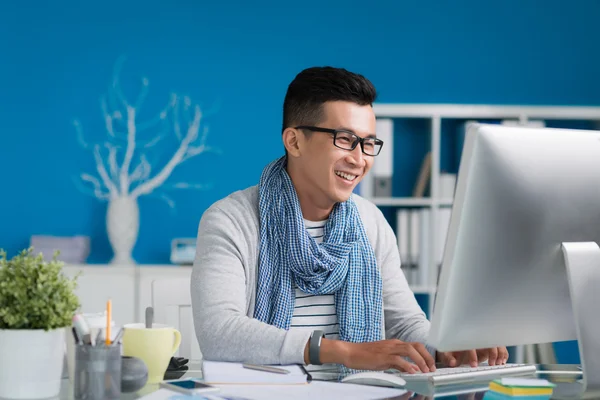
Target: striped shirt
(316,312)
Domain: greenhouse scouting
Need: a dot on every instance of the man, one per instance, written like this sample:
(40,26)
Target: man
(298,269)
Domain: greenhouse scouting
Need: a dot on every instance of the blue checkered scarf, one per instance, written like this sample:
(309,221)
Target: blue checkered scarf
(343,265)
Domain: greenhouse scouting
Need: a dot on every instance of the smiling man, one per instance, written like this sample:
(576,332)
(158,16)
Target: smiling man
(298,269)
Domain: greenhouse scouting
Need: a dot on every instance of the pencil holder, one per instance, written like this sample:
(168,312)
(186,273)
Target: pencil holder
(97,372)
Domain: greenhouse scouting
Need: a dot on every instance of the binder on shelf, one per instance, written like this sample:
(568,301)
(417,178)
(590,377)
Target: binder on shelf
(365,186)
(424,240)
(424,175)
(413,233)
(415,245)
(402,235)
(384,165)
(443,223)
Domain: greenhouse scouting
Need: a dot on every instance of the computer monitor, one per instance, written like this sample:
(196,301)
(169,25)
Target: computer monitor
(521,262)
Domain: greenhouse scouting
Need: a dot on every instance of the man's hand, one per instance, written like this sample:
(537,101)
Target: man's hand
(377,356)
(494,356)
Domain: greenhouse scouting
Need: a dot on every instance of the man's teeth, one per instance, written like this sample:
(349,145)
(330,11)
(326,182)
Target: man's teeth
(346,176)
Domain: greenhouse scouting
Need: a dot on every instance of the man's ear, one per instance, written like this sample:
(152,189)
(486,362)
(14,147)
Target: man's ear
(292,140)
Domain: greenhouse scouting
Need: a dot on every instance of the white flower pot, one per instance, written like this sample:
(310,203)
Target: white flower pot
(122,224)
(31,363)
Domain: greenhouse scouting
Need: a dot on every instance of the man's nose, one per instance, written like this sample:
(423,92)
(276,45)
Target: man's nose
(356,156)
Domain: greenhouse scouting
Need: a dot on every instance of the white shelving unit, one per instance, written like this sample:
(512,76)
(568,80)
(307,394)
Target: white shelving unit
(436,113)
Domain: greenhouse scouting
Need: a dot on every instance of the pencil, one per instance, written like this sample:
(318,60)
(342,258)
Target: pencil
(266,368)
(108,320)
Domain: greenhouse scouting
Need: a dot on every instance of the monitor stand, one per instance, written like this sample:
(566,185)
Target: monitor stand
(582,261)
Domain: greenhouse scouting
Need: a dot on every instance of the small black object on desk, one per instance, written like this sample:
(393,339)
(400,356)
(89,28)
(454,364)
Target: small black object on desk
(177,368)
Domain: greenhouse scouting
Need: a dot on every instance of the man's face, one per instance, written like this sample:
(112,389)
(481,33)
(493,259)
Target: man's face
(332,173)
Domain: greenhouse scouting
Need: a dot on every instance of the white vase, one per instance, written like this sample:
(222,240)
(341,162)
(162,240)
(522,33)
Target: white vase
(31,363)
(122,224)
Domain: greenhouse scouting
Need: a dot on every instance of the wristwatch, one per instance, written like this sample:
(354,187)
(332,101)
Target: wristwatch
(314,347)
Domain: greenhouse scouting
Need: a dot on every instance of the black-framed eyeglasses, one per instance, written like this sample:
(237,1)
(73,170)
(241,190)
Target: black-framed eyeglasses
(349,140)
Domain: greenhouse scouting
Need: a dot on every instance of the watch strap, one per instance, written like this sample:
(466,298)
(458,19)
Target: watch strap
(314,347)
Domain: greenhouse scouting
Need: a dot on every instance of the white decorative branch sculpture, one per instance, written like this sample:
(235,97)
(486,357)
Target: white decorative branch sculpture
(121,184)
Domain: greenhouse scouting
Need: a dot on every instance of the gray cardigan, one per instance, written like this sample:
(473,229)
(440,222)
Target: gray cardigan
(223,286)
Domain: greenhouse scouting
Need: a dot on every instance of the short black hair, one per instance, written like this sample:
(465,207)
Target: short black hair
(312,87)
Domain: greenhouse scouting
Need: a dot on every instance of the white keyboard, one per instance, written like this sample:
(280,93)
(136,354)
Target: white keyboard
(459,375)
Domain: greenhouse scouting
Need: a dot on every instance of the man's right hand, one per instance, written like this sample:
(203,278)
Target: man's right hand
(378,356)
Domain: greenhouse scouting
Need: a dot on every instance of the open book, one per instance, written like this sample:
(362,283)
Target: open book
(217,372)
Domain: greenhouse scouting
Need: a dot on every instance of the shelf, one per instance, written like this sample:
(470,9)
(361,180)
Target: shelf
(410,202)
(418,289)
(445,202)
(401,201)
(431,119)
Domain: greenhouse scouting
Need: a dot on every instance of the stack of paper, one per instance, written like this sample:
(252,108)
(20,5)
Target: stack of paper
(519,388)
(216,372)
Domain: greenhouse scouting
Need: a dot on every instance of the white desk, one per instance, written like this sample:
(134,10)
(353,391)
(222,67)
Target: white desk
(562,375)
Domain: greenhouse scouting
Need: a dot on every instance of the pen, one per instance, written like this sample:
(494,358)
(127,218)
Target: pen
(77,341)
(266,368)
(82,329)
(108,320)
(118,337)
(98,336)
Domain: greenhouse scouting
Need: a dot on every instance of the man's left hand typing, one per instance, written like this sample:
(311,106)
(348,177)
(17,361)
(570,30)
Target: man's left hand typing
(494,356)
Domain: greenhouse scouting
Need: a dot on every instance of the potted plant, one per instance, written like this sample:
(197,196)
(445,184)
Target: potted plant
(37,303)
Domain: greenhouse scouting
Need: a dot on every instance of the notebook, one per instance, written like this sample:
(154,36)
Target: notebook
(218,372)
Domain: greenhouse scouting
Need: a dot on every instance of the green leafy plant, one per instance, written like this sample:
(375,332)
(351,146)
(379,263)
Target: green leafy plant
(35,294)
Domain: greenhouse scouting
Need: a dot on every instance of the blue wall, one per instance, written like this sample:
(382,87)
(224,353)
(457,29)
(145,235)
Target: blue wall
(235,59)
